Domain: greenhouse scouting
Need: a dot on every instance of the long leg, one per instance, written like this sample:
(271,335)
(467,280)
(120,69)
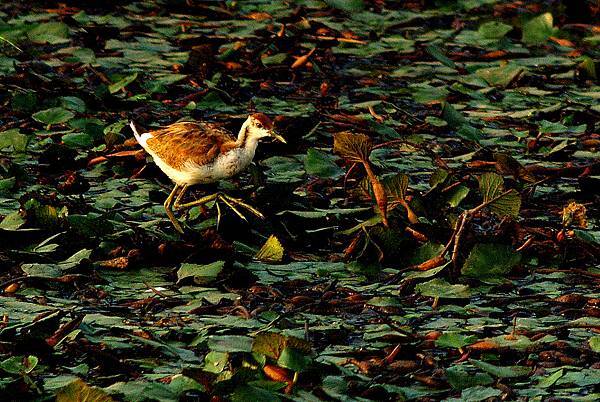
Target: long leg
(168,204)
(180,196)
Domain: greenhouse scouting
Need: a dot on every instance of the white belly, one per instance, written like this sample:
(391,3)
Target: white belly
(223,167)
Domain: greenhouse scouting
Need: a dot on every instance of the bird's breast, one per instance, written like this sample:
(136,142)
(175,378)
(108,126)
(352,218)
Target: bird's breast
(232,162)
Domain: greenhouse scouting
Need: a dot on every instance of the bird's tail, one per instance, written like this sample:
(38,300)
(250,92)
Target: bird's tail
(136,134)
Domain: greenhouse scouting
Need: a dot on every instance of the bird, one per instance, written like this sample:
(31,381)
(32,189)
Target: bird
(191,153)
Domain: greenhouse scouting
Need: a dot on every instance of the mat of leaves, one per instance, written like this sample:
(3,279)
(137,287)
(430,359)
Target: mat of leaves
(432,224)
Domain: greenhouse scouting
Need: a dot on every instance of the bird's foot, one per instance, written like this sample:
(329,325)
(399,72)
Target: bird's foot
(233,203)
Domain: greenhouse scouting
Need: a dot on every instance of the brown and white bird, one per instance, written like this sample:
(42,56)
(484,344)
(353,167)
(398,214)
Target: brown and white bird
(200,153)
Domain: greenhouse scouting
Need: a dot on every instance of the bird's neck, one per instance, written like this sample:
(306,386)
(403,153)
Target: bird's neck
(245,140)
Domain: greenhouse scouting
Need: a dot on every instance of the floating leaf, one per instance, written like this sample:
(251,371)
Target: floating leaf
(215,362)
(502,371)
(538,29)
(122,83)
(317,163)
(202,274)
(441,288)
(12,221)
(293,359)
(14,140)
(436,52)
(55,115)
(494,30)
(19,365)
(346,5)
(500,76)
(460,123)
(594,343)
(49,32)
(546,382)
(78,140)
(479,393)
(271,251)
(230,343)
(457,195)
(460,379)
(454,340)
(490,262)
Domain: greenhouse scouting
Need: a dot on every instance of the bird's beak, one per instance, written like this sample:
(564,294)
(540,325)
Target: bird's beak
(278,137)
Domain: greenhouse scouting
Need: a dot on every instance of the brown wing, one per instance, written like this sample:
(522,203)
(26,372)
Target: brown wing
(185,142)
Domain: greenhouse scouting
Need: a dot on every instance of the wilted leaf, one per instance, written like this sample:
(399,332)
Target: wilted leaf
(395,187)
(491,186)
(272,344)
(353,147)
(79,391)
(575,214)
(438,177)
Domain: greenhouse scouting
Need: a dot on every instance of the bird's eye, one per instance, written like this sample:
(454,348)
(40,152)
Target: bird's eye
(259,125)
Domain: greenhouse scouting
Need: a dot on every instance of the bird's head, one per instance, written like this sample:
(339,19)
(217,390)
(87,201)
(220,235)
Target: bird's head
(260,126)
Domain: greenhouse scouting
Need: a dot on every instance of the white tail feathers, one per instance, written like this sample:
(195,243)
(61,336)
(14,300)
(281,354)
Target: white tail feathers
(135,132)
(141,138)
